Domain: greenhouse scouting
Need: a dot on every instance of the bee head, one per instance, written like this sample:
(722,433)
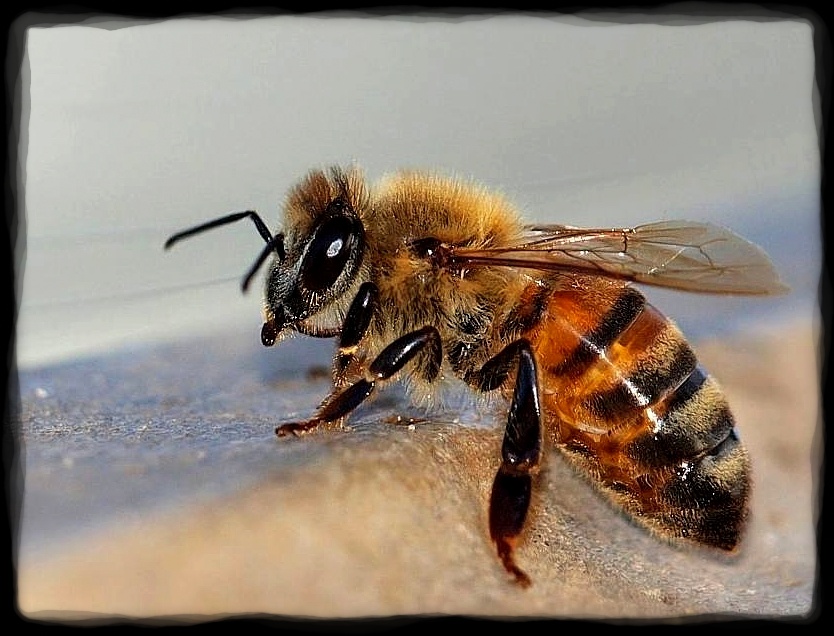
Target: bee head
(320,255)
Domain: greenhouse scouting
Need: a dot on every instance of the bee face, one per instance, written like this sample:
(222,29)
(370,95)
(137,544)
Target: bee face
(318,267)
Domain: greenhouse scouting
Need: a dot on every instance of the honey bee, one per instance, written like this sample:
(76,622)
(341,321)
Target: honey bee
(429,275)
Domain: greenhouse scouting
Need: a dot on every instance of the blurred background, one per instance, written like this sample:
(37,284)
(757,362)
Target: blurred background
(133,131)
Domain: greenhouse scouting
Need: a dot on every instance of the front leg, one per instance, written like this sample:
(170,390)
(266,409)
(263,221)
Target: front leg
(354,328)
(520,452)
(424,342)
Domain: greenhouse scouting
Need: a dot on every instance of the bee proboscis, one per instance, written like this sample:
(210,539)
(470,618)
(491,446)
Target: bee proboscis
(425,274)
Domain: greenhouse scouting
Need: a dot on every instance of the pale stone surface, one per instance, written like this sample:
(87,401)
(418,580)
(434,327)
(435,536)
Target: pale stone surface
(155,487)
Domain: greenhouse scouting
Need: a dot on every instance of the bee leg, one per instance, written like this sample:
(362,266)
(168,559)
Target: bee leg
(355,326)
(425,342)
(520,452)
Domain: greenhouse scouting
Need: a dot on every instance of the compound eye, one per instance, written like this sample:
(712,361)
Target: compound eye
(328,253)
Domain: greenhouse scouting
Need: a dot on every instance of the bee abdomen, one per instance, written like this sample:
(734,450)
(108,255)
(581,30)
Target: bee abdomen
(630,405)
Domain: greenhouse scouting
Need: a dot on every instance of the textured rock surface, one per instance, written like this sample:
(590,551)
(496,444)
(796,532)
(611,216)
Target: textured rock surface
(154,486)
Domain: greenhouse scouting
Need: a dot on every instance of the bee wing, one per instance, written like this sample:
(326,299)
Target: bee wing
(684,255)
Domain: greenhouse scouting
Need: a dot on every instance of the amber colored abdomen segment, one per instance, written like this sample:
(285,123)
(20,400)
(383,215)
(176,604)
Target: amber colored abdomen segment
(625,399)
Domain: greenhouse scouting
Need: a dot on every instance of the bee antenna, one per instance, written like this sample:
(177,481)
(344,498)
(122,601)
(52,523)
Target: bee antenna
(275,244)
(263,230)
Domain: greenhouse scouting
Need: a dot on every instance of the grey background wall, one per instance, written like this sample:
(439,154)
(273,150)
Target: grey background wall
(134,131)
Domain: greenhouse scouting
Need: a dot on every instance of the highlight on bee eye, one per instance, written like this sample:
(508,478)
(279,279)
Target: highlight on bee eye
(421,276)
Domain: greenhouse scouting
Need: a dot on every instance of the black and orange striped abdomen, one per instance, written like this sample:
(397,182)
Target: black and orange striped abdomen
(625,399)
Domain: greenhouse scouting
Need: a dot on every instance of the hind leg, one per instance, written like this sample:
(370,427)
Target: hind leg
(520,451)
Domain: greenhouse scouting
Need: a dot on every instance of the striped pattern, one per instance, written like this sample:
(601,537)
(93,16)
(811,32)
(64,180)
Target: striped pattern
(625,399)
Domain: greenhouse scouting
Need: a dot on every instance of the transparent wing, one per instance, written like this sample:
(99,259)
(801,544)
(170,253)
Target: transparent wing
(685,255)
